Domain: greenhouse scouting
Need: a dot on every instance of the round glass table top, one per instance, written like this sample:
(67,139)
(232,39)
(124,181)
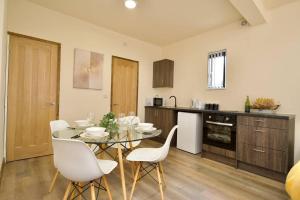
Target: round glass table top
(129,135)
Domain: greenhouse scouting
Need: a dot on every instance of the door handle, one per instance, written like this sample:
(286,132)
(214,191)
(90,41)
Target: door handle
(52,103)
(258,150)
(115,104)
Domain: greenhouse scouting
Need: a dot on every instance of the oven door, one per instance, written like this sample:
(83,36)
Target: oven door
(221,135)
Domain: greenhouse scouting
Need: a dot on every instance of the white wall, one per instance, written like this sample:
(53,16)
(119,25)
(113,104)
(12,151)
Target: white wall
(30,19)
(3,39)
(263,61)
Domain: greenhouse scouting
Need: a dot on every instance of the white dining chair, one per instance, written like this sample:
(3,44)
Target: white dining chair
(154,157)
(59,125)
(78,163)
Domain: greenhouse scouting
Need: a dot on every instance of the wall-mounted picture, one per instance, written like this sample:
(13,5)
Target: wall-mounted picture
(88,70)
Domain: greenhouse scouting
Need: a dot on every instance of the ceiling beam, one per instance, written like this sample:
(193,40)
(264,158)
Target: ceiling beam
(252,10)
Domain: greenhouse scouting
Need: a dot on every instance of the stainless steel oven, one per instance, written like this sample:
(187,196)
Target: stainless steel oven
(220,130)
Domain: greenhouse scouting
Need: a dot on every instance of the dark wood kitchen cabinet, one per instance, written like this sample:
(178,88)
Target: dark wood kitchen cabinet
(163,73)
(265,145)
(163,119)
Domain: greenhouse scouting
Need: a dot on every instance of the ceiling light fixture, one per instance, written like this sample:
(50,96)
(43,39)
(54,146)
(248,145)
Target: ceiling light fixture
(130,4)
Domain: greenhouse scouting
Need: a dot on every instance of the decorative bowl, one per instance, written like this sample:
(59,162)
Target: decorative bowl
(145,125)
(95,130)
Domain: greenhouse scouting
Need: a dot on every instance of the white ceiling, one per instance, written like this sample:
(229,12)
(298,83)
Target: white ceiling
(156,21)
(269,4)
(159,22)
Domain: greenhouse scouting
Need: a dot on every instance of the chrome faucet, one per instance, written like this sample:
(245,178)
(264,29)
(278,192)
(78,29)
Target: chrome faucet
(175,100)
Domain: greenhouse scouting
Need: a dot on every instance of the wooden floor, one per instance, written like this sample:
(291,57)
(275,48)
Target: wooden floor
(188,177)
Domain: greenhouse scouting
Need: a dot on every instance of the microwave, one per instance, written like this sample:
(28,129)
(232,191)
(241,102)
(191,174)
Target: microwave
(157,101)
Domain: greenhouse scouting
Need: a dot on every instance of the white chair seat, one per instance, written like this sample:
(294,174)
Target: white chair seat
(154,156)
(145,155)
(107,165)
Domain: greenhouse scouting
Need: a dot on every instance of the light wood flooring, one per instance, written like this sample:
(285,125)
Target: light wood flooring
(189,177)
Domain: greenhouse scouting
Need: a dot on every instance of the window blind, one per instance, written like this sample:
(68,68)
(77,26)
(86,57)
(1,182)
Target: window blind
(216,69)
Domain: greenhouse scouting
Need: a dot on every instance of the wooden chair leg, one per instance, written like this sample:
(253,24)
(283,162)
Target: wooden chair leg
(93,196)
(107,187)
(73,192)
(67,191)
(132,169)
(135,180)
(122,174)
(80,190)
(162,173)
(160,183)
(53,181)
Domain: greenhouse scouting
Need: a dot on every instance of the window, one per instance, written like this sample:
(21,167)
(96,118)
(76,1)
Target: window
(216,69)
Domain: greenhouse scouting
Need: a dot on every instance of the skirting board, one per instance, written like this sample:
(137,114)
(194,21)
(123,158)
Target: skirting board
(262,172)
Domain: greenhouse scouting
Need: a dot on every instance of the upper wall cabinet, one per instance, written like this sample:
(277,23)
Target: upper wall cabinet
(163,73)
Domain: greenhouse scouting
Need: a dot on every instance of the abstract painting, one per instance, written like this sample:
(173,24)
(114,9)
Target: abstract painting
(88,69)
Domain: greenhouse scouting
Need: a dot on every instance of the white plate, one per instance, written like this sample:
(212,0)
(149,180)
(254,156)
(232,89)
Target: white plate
(140,129)
(84,134)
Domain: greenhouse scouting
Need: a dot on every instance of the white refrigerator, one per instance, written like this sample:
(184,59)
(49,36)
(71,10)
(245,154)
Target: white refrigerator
(189,133)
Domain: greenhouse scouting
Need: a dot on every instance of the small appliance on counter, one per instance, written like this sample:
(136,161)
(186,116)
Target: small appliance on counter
(196,103)
(149,101)
(211,106)
(158,101)
(154,101)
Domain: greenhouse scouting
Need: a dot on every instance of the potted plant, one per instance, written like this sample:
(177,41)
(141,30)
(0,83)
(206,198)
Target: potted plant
(110,123)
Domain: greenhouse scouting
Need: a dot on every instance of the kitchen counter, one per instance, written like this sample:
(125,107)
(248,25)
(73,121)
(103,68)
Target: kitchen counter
(195,110)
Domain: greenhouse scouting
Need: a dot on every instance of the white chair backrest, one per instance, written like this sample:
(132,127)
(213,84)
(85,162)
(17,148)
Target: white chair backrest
(58,125)
(165,148)
(75,160)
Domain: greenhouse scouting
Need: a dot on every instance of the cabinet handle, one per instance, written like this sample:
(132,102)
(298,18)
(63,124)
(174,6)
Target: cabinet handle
(261,131)
(258,150)
(260,120)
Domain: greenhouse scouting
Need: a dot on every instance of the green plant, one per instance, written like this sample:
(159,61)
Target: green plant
(109,122)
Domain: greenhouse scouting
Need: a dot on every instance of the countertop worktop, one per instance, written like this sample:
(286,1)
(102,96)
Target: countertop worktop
(195,110)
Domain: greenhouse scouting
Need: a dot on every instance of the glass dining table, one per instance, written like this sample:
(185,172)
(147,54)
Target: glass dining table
(123,140)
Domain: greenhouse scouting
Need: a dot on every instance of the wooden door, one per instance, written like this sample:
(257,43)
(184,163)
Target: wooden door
(33,83)
(124,86)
